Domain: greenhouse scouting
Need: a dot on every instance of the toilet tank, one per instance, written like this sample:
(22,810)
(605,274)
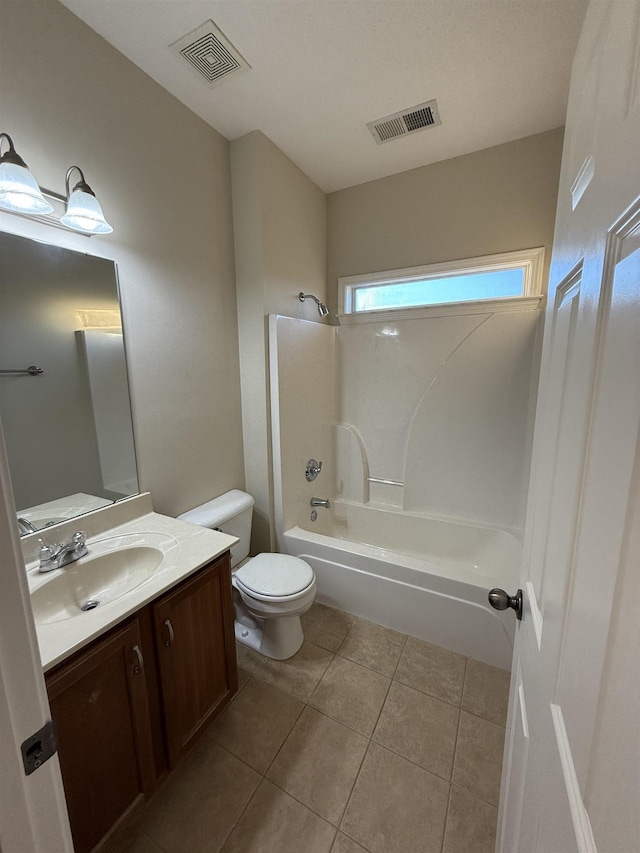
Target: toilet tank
(231,513)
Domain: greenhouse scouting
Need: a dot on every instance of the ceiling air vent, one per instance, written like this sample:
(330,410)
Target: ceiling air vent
(211,53)
(405,122)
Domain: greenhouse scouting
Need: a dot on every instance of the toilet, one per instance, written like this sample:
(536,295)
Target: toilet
(270,591)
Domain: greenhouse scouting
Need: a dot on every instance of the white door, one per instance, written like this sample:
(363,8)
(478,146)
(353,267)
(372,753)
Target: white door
(571,778)
(33,812)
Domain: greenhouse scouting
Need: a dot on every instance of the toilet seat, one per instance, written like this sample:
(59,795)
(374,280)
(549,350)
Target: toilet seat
(275,577)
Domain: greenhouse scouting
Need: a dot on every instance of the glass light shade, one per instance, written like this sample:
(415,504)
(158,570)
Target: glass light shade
(19,191)
(85,214)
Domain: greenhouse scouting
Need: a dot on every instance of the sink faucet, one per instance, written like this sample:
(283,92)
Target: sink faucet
(25,526)
(55,556)
(321,502)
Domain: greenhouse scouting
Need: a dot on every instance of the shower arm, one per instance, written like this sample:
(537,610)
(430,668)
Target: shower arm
(322,308)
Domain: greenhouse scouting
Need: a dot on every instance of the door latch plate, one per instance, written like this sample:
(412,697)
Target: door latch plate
(39,748)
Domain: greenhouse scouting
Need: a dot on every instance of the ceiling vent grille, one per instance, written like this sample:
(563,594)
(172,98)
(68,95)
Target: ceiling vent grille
(405,122)
(211,53)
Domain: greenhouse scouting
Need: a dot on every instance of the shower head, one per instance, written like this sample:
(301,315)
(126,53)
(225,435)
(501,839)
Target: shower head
(322,308)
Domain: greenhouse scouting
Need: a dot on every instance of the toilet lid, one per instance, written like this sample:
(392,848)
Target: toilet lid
(275,574)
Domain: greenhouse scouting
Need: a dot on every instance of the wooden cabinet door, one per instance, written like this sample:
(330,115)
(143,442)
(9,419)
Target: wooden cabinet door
(99,706)
(196,654)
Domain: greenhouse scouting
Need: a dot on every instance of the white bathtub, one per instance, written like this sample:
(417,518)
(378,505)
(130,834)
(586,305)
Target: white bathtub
(426,577)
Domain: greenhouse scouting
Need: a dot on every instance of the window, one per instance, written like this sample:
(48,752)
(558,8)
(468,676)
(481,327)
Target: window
(510,276)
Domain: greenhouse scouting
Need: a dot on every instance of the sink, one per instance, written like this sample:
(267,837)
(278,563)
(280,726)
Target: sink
(112,568)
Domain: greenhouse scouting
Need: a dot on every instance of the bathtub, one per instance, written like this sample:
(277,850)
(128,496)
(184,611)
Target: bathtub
(426,577)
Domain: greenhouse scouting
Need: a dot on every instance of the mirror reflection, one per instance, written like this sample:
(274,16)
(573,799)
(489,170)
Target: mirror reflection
(67,428)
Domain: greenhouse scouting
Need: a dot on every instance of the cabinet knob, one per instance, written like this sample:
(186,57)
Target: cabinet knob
(139,665)
(169,640)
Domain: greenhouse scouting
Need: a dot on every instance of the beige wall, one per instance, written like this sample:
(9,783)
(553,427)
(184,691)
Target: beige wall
(496,200)
(279,219)
(163,177)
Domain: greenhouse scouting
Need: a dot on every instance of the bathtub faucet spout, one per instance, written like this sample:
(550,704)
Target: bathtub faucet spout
(321,502)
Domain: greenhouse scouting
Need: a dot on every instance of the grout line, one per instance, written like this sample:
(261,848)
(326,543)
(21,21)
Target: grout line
(355,841)
(455,751)
(273,782)
(353,787)
(334,720)
(446,819)
(484,719)
(240,816)
(475,796)
(455,746)
(364,665)
(384,702)
(285,739)
(309,808)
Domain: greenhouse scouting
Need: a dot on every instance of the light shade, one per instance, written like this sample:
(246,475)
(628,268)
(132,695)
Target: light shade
(83,209)
(19,191)
(85,214)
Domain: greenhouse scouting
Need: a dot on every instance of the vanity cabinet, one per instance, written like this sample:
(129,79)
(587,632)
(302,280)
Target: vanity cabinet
(99,705)
(196,655)
(139,696)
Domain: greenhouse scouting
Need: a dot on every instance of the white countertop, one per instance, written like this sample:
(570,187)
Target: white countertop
(191,549)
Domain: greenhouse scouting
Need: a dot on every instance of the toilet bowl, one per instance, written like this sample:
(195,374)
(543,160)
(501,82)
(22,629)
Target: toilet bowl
(270,591)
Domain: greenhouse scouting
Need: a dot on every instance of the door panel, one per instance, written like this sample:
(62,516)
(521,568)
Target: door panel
(611,459)
(99,705)
(578,572)
(196,654)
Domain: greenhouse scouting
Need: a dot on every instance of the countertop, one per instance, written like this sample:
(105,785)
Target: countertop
(191,549)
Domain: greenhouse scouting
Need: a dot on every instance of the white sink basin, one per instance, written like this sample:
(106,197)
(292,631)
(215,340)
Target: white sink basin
(112,568)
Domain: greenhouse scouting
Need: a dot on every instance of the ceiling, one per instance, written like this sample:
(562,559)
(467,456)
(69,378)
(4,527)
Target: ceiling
(322,69)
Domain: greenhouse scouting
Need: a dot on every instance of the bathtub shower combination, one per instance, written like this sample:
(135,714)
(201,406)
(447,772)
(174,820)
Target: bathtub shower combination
(425,449)
(435,591)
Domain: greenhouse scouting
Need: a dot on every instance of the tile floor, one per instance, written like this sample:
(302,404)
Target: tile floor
(367,741)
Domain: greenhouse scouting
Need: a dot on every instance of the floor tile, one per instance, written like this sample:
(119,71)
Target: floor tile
(420,728)
(274,822)
(318,763)
(486,691)
(396,806)
(478,760)
(243,677)
(137,843)
(471,824)
(326,626)
(200,803)
(351,694)
(342,844)
(298,675)
(255,725)
(373,646)
(432,670)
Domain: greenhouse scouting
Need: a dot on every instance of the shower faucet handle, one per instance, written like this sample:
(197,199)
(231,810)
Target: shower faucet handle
(313,469)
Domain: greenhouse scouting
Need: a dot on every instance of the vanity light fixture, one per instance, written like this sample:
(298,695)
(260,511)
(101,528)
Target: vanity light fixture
(19,192)
(83,208)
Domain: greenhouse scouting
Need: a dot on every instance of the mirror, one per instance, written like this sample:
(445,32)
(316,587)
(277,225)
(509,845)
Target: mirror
(68,428)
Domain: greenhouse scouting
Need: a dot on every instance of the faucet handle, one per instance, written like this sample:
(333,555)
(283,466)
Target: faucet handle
(46,552)
(79,539)
(78,544)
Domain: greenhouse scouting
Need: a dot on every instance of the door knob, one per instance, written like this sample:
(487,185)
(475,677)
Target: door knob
(501,600)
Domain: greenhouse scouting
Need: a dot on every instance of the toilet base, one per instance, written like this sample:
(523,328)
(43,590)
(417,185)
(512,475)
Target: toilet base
(278,638)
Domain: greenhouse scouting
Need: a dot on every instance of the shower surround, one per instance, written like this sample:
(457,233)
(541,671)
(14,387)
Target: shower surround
(424,427)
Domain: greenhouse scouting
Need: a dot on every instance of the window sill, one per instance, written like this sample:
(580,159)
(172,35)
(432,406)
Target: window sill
(451,309)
